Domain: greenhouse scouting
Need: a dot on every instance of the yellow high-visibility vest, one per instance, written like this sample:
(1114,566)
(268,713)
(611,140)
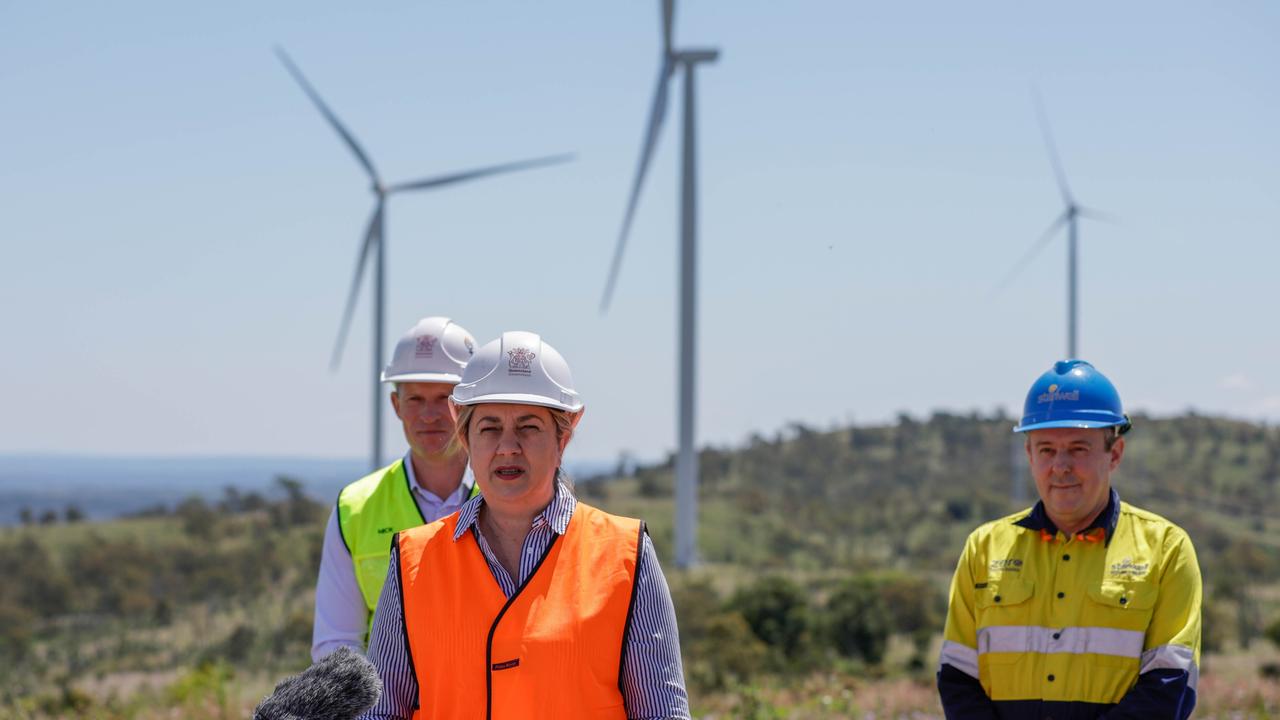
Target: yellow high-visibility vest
(1046,617)
(371,511)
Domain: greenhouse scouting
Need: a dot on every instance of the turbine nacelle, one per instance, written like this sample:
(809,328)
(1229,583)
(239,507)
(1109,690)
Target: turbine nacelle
(695,55)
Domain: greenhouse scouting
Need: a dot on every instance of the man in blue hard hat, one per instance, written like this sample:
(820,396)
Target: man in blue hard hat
(1082,606)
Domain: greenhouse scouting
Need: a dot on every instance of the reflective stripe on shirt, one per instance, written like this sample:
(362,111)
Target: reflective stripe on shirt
(1075,640)
(1172,657)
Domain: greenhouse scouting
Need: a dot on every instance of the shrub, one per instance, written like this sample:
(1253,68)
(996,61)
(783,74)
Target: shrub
(15,632)
(1273,632)
(777,612)
(860,621)
(727,653)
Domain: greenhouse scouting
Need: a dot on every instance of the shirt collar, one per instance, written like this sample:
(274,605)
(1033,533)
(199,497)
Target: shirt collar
(556,514)
(1039,520)
(456,497)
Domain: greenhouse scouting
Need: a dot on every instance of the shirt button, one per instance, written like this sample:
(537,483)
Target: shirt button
(1057,635)
(1124,600)
(1066,557)
(1050,678)
(997,598)
(1061,595)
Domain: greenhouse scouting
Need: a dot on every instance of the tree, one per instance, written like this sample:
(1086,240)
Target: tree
(777,612)
(860,621)
(198,520)
(15,632)
(73,514)
(1273,632)
(299,509)
(33,578)
(26,516)
(915,609)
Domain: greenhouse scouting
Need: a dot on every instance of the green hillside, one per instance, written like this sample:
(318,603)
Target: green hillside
(826,557)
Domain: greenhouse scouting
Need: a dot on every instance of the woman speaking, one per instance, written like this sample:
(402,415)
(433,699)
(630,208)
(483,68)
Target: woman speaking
(525,603)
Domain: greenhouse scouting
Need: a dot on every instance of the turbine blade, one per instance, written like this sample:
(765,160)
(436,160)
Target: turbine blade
(668,18)
(371,236)
(1052,148)
(656,115)
(441,180)
(1035,249)
(1092,214)
(342,131)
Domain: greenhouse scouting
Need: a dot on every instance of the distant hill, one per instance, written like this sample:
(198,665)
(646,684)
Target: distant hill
(108,487)
(905,495)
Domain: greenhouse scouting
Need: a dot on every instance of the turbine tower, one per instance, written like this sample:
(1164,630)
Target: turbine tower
(374,244)
(1070,216)
(686,458)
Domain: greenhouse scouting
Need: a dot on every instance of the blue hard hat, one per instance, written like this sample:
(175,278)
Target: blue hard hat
(1072,394)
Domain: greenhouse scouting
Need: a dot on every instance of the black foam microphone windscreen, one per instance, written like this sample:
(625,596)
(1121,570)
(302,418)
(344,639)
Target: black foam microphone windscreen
(339,687)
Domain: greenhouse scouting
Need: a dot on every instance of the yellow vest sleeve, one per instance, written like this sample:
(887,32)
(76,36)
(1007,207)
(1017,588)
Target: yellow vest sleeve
(960,638)
(1173,637)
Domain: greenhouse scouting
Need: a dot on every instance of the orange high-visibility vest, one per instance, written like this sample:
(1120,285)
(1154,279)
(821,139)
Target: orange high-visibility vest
(554,650)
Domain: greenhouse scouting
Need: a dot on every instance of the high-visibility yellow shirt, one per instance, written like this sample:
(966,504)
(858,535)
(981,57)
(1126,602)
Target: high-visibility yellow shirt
(1036,615)
(371,511)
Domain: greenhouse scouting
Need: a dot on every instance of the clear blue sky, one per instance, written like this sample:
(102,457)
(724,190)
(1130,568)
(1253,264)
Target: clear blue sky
(179,225)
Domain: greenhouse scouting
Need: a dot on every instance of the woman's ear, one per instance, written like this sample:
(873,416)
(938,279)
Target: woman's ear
(573,425)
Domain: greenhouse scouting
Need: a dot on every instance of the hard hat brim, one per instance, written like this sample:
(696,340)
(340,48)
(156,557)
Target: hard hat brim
(1081,424)
(450,378)
(519,399)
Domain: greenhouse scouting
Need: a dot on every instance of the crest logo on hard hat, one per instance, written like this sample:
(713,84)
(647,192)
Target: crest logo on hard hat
(471,346)
(426,347)
(520,361)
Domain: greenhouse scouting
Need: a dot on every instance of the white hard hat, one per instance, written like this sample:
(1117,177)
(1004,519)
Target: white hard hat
(518,368)
(434,350)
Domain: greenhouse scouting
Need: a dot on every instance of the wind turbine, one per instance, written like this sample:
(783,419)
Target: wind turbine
(686,458)
(1071,214)
(374,244)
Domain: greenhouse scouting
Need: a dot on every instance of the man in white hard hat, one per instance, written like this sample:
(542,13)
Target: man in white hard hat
(431,481)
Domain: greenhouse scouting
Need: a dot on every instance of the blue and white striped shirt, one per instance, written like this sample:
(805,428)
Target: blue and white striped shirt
(652,675)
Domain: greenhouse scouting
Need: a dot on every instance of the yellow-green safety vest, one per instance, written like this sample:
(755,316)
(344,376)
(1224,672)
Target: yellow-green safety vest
(1046,617)
(371,511)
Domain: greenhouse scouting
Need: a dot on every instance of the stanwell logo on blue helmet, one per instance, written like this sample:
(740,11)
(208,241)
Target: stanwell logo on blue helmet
(1053,394)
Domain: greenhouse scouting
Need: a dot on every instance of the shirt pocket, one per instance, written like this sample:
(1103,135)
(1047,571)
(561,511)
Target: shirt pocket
(1003,593)
(1004,612)
(1129,597)
(1125,607)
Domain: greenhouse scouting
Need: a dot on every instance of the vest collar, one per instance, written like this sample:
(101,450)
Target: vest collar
(556,514)
(1038,519)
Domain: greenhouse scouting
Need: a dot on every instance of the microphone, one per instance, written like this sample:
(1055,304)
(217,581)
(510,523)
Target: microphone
(339,687)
